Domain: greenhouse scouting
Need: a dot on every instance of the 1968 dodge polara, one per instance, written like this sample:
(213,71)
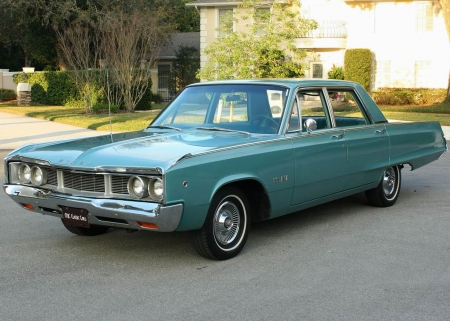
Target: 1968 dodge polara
(221,155)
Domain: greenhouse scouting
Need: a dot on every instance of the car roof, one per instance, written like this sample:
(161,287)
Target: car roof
(287,82)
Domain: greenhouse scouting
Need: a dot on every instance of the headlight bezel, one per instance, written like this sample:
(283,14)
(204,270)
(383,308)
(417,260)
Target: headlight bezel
(43,175)
(143,181)
(156,189)
(24,176)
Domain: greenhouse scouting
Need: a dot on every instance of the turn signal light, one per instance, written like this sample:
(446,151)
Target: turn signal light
(148,225)
(28,206)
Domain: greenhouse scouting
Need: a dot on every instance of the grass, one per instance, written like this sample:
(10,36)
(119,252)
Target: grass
(439,112)
(139,120)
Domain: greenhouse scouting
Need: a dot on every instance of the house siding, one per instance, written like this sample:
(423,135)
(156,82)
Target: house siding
(408,36)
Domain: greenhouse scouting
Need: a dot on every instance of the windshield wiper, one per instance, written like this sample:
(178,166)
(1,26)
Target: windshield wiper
(165,127)
(218,129)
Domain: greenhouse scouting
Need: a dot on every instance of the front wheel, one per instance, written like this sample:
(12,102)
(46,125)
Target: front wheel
(226,227)
(386,193)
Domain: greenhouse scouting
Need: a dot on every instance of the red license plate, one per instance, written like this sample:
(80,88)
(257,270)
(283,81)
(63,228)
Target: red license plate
(75,216)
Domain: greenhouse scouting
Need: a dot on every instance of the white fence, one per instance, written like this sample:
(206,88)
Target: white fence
(6,79)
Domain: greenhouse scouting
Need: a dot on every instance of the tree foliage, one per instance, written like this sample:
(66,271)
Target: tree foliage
(22,34)
(27,37)
(184,69)
(265,49)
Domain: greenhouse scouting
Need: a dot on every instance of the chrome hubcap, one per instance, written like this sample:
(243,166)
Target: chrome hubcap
(389,181)
(226,223)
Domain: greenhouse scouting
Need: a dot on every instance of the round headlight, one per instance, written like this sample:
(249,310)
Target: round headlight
(156,188)
(137,187)
(38,176)
(24,174)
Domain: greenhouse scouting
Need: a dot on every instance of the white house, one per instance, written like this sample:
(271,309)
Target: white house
(408,39)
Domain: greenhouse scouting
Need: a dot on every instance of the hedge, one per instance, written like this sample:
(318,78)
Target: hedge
(50,87)
(7,94)
(358,66)
(409,96)
(57,88)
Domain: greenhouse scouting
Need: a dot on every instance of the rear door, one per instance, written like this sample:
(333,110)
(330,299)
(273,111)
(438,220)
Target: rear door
(320,154)
(367,143)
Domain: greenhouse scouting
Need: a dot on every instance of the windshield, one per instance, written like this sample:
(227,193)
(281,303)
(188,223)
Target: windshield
(245,108)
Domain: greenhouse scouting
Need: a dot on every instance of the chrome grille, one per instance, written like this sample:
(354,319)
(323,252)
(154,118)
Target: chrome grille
(119,184)
(52,177)
(84,182)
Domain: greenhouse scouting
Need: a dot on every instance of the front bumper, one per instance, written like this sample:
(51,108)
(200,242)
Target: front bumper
(106,212)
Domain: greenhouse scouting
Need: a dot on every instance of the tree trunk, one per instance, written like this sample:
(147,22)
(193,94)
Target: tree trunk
(445,4)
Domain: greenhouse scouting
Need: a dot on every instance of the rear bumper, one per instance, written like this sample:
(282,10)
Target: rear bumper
(106,212)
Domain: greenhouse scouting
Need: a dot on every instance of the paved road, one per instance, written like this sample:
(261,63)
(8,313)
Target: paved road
(339,261)
(16,130)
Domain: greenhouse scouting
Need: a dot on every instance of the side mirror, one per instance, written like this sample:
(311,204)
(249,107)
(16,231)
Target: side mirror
(310,125)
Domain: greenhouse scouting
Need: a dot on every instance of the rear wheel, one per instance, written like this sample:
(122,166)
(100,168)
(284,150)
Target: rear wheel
(386,193)
(226,227)
(93,230)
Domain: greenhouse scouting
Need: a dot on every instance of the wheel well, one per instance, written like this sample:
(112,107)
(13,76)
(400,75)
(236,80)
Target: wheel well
(257,196)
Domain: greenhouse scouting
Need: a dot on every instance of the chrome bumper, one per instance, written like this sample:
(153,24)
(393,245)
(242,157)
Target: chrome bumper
(107,212)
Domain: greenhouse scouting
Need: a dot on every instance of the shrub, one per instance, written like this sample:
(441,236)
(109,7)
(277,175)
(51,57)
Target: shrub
(146,101)
(358,66)
(157,98)
(408,96)
(7,94)
(336,72)
(99,108)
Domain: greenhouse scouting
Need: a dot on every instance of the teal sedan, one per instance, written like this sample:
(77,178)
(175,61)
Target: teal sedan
(222,155)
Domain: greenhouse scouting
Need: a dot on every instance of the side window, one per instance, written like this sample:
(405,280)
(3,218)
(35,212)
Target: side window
(347,109)
(313,106)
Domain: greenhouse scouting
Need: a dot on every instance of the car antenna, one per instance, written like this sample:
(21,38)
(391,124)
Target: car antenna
(109,103)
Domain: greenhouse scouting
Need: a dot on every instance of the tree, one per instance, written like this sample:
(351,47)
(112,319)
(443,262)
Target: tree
(131,39)
(187,19)
(79,42)
(446,14)
(265,49)
(184,68)
(126,36)
(22,34)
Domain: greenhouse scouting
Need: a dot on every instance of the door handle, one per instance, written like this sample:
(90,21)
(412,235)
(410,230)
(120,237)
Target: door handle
(339,136)
(380,131)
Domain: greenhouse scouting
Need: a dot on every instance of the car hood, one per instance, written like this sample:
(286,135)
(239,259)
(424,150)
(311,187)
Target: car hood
(149,149)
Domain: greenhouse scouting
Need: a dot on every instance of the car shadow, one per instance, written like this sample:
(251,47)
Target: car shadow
(140,247)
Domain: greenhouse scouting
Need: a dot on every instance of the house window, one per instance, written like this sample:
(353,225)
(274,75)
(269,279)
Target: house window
(424,17)
(382,74)
(423,74)
(225,26)
(163,81)
(316,70)
(262,19)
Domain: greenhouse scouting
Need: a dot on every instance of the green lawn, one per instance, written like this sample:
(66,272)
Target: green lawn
(140,120)
(440,112)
